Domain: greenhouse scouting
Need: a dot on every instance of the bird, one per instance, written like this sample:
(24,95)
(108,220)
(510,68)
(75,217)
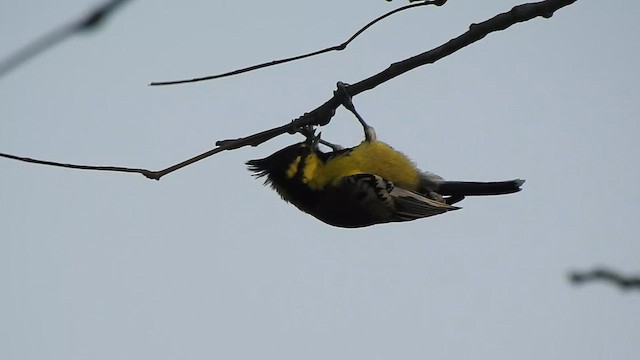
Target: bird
(371,183)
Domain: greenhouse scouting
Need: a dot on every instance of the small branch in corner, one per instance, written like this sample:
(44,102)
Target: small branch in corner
(624,282)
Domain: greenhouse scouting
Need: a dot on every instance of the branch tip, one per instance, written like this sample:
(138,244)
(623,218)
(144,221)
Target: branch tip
(339,47)
(624,282)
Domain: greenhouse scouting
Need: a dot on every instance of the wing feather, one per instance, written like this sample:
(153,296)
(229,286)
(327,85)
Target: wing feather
(410,205)
(381,198)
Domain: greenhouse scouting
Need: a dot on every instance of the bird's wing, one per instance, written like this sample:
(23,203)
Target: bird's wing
(410,205)
(382,198)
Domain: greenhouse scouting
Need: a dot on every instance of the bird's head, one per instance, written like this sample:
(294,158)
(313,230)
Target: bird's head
(283,165)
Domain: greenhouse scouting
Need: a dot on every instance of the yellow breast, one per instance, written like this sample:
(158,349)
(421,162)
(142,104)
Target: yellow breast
(367,158)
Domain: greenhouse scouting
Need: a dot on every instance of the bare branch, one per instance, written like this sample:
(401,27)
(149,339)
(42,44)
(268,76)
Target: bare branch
(339,47)
(72,166)
(520,13)
(606,275)
(322,114)
(91,21)
(308,119)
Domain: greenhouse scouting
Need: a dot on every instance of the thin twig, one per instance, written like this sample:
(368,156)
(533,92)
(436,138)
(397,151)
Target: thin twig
(74,166)
(339,47)
(520,13)
(89,22)
(323,114)
(253,140)
(606,275)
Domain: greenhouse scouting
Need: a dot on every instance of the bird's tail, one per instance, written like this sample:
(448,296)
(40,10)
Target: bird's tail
(471,188)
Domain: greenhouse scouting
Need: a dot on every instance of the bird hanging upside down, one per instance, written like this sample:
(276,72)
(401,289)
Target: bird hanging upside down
(368,184)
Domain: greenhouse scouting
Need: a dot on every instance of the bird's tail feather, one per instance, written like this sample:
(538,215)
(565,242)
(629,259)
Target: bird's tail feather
(471,188)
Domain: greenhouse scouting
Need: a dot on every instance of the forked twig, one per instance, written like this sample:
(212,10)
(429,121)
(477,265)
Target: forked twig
(299,57)
(316,117)
(323,114)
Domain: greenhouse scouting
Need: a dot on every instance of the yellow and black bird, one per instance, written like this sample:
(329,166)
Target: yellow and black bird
(368,184)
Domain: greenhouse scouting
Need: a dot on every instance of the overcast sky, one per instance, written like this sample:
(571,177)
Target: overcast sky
(209,264)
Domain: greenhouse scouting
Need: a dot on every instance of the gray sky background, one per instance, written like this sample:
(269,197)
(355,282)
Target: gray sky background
(209,264)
